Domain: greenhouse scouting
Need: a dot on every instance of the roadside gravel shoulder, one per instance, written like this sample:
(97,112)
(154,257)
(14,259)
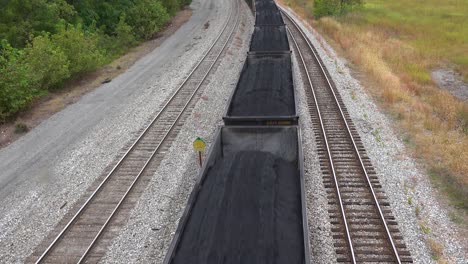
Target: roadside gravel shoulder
(421,217)
(48,180)
(152,224)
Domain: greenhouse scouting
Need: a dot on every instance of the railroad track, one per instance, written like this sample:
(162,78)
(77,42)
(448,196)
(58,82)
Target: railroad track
(86,234)
(363,227)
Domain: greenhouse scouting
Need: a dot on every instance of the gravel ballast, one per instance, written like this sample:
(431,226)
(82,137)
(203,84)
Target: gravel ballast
(151,226)
(49,169)
(265,87)
(321,241)
(398,173)
(269,39)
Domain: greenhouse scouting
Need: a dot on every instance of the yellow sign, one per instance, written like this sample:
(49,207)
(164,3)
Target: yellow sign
(199,144)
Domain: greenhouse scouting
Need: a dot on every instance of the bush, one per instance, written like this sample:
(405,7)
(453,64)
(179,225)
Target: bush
(146,18)
(48,65)
(19,19)
(325,7)
(15,86)
(124,34)
(80,48)
(334,7)
(50,41)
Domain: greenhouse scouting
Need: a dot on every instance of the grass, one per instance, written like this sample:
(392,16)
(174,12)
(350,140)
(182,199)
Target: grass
(397,44)
(437,250)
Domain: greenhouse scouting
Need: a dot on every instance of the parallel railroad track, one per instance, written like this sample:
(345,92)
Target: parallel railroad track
(86,234)
(363,227)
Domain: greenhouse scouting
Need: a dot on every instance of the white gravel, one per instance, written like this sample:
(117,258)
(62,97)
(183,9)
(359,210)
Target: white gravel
(151,226)
(321,241)
(399,174)
(46,187)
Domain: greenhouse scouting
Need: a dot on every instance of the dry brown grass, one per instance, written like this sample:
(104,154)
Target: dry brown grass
(435,121)
(437,250)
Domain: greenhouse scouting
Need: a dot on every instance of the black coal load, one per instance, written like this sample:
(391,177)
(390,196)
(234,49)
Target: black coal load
(269,39)
(265,88)
(269,16)
(262,5)
(248,211)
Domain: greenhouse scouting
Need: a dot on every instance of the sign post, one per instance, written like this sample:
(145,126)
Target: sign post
(199,145)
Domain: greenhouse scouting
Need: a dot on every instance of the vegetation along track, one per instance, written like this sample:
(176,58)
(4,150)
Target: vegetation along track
(85,236)
(363,227)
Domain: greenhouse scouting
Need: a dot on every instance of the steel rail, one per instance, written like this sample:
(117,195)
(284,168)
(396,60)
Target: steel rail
(382,218)
(348,235)
(58,237)
(162,141)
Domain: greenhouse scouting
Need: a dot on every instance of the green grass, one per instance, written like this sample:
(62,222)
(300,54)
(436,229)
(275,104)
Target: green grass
(437,30)
(458,194)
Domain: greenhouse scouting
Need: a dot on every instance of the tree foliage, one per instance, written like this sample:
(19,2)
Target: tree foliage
(15,86)
(79,47)
(43,43)
(47,63)
(146,18)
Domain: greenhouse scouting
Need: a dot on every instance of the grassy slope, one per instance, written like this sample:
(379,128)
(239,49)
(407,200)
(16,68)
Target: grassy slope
(437,30)
(397,43)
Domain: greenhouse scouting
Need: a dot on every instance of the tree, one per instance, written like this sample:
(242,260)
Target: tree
(147,17)
(15,86)
(48,65)
(80,48)
(20,19)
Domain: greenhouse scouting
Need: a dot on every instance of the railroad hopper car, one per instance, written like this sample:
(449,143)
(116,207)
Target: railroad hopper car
(267,14)
(265,4)
(264,94)
(268,39)
(248,204)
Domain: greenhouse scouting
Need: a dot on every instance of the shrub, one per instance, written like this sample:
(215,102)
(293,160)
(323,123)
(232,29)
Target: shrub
(15,86)
(124,34)
(334,7)
(325,8)
(146,18)
(80,48)
(19,19)
(48,64)
(171,6)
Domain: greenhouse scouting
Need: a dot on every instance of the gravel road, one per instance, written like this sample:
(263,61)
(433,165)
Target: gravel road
(420,214)
(46,171)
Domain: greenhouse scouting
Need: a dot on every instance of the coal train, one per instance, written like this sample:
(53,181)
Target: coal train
(248,205)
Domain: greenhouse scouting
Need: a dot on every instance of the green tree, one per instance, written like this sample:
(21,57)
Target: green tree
(104,14)
(80,48)
(15,85)
(48,64)
(147,17)
(124,34)
(19,19)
